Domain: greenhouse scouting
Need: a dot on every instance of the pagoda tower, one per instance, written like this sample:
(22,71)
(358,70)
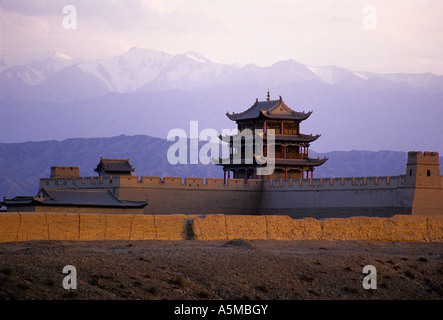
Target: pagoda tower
(291,147)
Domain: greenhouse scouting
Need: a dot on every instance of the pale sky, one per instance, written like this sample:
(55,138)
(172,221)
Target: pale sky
(362,35)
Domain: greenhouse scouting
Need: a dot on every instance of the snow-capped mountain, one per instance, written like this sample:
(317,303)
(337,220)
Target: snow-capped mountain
(36,72)
(148,91)
(333,74)
(129,71)
(61,78)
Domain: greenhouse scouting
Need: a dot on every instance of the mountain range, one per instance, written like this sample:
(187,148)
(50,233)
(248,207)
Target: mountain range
(59,78)
(145,92)
(23,164)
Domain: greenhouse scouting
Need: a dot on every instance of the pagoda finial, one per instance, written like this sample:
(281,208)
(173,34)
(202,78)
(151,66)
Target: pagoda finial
(269,96)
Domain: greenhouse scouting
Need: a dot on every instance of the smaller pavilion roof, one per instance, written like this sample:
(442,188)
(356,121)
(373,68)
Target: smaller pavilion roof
(114,165)
(74,197)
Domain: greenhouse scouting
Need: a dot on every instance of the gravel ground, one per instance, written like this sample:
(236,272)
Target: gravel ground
(196,270)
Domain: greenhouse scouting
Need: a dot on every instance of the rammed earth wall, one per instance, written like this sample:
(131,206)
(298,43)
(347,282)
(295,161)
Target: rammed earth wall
(418,192)
(319,198)
(98,227)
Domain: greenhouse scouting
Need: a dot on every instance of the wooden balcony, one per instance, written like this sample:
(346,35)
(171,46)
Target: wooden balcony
(278,155)
(291,155)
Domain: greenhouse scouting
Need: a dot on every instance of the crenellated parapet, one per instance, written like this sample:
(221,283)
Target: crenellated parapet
(103,182)
(189,183)
(350,183)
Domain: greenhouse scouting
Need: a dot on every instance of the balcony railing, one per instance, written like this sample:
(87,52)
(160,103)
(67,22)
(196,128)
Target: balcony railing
(293,155)
(281,155)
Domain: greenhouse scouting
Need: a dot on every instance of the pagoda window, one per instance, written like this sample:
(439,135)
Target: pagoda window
(276,125)
(246,125)
(259,125)
(279,153)
(290,128)
(293,152)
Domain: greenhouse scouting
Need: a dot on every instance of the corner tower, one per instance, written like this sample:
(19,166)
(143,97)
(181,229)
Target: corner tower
(423,170)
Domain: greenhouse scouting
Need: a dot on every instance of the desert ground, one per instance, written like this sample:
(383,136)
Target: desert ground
(221,270)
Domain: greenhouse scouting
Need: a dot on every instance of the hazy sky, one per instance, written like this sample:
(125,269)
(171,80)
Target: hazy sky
(367,35)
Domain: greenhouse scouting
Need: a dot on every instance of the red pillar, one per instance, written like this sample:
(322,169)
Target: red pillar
(286,173)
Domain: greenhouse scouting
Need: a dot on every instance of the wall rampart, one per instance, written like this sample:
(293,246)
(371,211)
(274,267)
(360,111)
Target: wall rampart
(354,183)
(237,184)
(81,182)
(189,183)
(298,198)
(97,227)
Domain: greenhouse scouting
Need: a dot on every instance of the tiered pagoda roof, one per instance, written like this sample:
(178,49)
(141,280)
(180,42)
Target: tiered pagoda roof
(291,157)
(271,109)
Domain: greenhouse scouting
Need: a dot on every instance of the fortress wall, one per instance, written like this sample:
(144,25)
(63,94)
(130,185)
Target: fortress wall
(89,227)
(99,227)
(337,203)
(428,202)
(193,195)
(185,183)
(194,201)
(81,182)
(80,209)
(169,182)
(319,198)
(397,228)
(334,197)
(237,184)
(214,182)
(337,197)
(354,183)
